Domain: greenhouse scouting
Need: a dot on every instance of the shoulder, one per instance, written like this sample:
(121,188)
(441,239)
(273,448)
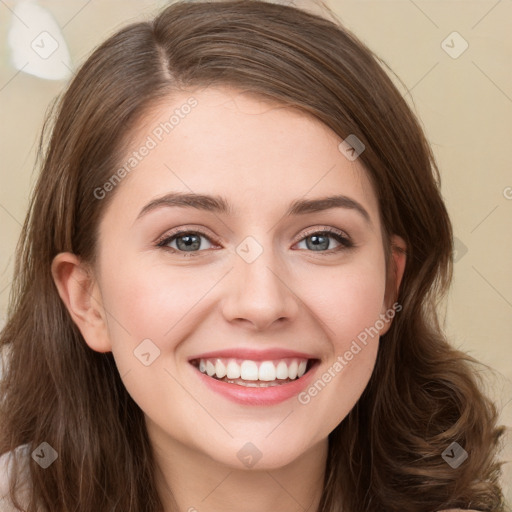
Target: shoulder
(21,453)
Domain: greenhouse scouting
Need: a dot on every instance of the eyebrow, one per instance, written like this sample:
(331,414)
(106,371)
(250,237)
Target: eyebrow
(218,204)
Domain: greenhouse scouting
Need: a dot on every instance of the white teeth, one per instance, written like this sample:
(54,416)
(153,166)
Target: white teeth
(233,371)
(282,370)
(220,369)
(292,370)
(210,369)
(247,370)
(250,384)
(302,368)
(267,371)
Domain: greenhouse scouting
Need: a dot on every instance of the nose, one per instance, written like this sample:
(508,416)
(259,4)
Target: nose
(260,294)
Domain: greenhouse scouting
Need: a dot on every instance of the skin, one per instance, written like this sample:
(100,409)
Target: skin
(260,157)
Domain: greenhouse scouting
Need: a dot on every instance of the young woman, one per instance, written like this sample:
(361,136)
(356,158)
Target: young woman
(225,297)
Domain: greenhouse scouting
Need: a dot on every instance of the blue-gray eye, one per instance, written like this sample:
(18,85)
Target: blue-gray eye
(186,241)
(320,241)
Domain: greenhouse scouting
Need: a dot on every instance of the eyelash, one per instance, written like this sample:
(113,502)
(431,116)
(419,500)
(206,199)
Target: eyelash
(345,241)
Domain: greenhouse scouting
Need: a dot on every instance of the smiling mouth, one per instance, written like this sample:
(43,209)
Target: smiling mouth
(249,373)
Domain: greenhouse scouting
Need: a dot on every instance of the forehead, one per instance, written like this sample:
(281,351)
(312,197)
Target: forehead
(259,154)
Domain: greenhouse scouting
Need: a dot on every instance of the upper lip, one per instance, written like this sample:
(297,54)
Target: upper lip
(253,355)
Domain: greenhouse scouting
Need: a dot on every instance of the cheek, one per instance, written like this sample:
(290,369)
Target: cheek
(151,310)
(348,298)
(348,302)
(153,300)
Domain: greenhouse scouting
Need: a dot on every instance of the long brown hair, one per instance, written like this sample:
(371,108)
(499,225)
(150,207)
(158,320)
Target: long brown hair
(423,394)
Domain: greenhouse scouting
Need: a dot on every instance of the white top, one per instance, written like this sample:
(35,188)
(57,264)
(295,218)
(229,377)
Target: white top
(6,461)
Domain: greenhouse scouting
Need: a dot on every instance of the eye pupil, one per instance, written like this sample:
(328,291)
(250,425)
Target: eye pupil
(318,242)
(187,242)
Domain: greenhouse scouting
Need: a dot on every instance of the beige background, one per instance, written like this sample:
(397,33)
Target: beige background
(464,103)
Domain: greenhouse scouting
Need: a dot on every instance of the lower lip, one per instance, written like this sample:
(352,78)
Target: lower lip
(258,396)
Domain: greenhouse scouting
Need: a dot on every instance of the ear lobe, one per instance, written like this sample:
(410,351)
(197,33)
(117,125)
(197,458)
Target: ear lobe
(82,298)
(395,274)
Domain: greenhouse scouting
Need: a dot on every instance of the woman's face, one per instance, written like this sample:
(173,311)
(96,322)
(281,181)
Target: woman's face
(252,284)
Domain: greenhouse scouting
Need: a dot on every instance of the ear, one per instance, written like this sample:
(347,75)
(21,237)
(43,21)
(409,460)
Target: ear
(396,270)
(82,298)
